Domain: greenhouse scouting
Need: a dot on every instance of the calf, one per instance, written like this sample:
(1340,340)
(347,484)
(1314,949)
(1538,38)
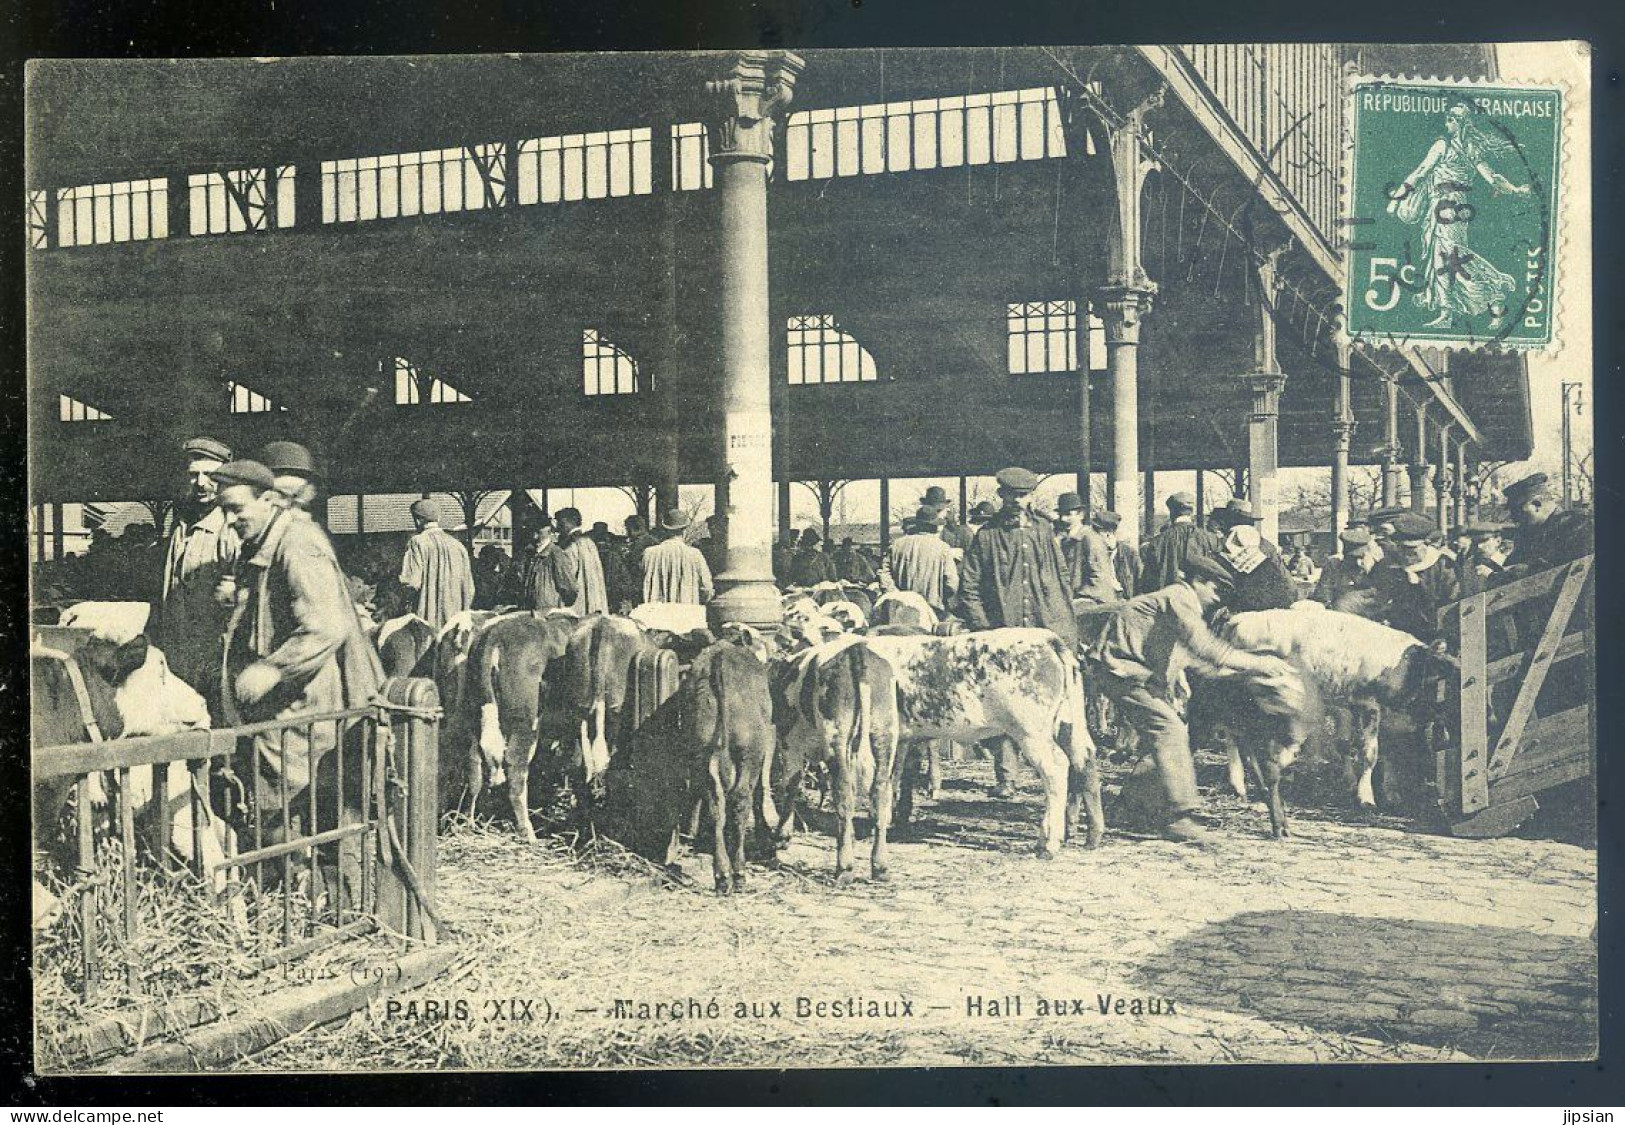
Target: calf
(406,646)
(836,704)
(1350,661)
(597,678)
(512,659)
(1023,684)
(725,711)
(905,607)
(1261,721)
(94,679)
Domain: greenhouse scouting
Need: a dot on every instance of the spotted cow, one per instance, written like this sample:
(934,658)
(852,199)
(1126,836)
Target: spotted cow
(1022,684)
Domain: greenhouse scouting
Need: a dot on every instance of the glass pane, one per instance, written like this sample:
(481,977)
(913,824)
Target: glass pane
(642,166)
(813,358)
(1032,130)
(846,148)
(141,220)
(1018,354)
(104,218)
(823,150)
(597,171)
(898,156)
(1004,133)
(874,145)
(795,362)
(528,185)
(451,185)
(574,173)
(1035,352)
(620,170)
(978,136)
(346,197)
(925,140)
(1057,352)
(411,189)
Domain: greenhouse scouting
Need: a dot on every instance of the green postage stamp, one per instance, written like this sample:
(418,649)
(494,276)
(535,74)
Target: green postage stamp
(1452,196)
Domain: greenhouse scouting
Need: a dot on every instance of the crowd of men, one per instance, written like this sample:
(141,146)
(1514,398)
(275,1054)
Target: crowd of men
(256,612)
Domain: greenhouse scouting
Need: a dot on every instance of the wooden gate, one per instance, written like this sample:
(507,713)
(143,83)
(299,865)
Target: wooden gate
(1524,715)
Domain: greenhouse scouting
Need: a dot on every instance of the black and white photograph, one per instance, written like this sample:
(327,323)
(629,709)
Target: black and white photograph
(787,558)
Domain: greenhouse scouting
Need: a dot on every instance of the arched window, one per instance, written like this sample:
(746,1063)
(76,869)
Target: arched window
(605,368)
(72,410)
(820,352)
(246,400)
(414,387)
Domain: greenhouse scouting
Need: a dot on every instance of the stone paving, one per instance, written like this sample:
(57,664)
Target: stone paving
(1345,942)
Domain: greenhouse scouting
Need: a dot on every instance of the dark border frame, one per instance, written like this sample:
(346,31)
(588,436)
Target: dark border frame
(168,28)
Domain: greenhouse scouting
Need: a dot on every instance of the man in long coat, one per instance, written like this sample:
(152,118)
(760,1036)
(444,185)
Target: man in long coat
(920,561)
(195,602)
(1125,559)
(1014,573)
(1089,564)
(674,570)
(546,578)
(1546,534)
(585,566)
(437,568)
(1165,554)
(295,648)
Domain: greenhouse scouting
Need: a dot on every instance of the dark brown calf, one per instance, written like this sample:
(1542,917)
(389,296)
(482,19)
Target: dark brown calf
(725,712)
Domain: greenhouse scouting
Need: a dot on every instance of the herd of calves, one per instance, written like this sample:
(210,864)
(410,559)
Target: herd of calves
(661,728)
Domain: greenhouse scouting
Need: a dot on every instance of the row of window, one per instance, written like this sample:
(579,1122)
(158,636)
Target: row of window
(1042,337)
(990,128)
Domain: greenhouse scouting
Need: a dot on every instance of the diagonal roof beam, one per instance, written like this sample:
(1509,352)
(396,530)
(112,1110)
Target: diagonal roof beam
(1196,98)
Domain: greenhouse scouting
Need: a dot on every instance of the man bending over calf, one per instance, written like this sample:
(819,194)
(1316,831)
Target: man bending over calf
(1133,656)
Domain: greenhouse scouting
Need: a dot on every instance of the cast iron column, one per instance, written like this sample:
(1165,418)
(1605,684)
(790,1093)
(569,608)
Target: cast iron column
(1390,441)
(1421,472)
(1342,438)
(1122,306)
(1266,382)
(741,137)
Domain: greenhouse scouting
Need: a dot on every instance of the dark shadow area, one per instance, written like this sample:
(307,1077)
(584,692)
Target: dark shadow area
(1488,991)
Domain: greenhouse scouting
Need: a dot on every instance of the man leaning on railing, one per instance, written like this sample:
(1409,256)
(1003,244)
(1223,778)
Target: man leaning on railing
(294,647)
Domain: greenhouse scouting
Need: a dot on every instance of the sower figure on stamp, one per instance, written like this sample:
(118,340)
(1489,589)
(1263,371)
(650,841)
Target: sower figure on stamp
(1457,281)
(295,647)
(1015,576)
(1132,660)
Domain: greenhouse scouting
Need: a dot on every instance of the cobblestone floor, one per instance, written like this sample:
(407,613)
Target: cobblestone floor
(1346,942)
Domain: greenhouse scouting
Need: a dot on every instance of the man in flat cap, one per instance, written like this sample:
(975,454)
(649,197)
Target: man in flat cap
(1125,559)
(1345,581)
(1478,560)
(921,562)
(295,647)
(674,570)
(1146,637)
(980,514)
(198,590)
(1545,533)
(436,568)
(1089,567)
(1164,555)
(1415,578)
(1014,573)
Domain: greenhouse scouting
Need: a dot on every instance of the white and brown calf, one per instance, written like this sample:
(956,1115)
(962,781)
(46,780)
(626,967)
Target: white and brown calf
(1021,684)
(836,705)
(1352,663)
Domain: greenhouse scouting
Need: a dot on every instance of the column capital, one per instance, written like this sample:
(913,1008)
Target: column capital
(743,103)
(1343,432)
(1122,307)
(1266,382)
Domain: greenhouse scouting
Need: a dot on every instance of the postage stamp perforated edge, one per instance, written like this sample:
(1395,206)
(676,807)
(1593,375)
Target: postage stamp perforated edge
(1354,78)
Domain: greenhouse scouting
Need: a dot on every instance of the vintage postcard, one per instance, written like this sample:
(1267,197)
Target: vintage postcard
(830,558)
